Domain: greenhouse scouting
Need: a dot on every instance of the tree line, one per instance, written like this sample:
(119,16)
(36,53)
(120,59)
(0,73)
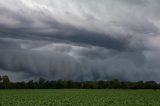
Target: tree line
(42,83)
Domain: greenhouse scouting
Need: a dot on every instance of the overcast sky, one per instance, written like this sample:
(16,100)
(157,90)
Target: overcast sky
(80,39)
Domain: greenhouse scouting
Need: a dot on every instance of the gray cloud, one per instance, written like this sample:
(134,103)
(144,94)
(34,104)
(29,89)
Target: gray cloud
(80,40)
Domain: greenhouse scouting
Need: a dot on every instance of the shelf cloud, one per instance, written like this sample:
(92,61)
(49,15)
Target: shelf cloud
(80,40)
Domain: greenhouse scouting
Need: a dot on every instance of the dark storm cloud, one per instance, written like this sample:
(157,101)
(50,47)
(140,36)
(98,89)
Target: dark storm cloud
(56,65)
(80,40)
(76,36)
(42,23)
(38,19)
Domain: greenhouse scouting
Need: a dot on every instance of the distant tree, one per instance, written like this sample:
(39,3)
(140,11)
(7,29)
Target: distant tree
(53,84)
(20,85)
(151,85)
(102,84)
(0,78)
(6,81)
(69,84)
(59,84)
(30,84)
(41,83)
(1,86)
(140,85)
(63,84)
(123,85)
(114,84)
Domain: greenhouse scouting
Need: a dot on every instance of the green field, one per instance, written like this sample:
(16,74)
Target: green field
(79,97)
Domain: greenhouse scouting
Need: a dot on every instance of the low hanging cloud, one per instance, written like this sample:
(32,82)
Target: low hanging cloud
(80,40)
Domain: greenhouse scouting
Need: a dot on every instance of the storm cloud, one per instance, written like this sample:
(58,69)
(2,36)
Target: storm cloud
(80,40)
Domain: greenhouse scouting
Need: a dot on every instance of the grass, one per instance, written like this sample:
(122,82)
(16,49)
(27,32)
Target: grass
(79,97)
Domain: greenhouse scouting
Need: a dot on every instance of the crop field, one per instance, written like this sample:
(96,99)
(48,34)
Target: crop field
(79,97)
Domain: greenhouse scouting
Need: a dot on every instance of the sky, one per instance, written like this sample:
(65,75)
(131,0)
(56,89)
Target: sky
(80,39)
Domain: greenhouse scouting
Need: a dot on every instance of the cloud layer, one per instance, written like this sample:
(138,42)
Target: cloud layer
(80,40)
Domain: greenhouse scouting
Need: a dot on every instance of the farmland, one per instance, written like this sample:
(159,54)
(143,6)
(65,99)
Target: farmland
(79,97)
